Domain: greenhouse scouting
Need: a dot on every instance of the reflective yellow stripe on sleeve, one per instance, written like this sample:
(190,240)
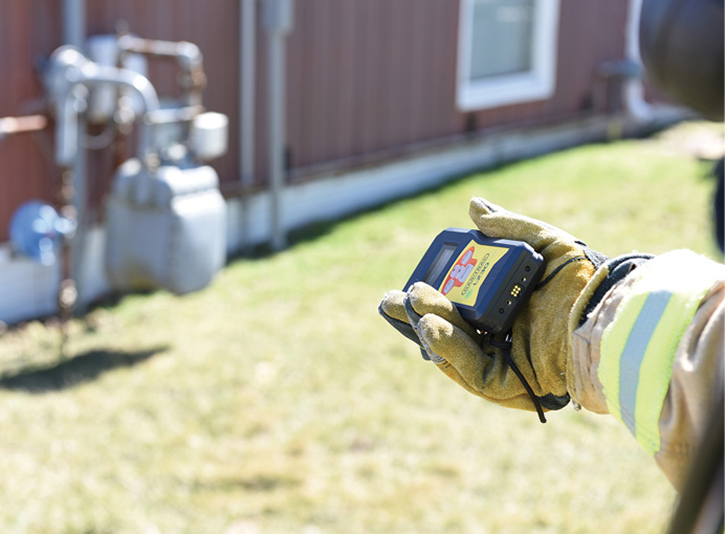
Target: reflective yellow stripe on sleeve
(639,345)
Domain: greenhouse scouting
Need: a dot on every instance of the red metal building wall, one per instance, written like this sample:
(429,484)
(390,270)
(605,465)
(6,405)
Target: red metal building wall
(365,79)
(28,30)
(370,76)
(377,76)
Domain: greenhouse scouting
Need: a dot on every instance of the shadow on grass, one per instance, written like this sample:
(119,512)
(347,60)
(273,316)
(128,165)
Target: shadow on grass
(73,372)
(257,483)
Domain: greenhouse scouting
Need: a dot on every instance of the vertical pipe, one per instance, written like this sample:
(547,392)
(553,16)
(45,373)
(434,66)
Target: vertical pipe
(80,196)
(247,101)
(636,105)
(278,19)
(74,23)
(276,79)
(247,54)
(74,34)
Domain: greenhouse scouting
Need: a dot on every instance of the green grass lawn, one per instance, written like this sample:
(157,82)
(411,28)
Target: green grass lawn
(277,401)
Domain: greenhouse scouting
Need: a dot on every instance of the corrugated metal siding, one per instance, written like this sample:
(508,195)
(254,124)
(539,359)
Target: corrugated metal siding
(592,32)
(365,77)
(397,81)
(27,32)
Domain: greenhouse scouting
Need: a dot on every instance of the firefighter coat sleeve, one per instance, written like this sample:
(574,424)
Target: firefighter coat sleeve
(651,354)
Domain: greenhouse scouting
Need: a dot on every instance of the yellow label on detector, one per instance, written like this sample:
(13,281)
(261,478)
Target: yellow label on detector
(464,279)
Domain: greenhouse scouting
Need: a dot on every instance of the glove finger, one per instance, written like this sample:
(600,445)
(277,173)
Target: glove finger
(392,305)
(497,222)
(447,342)
(424,299)
(484,375)
(434,328)
(455,353)
(392,309)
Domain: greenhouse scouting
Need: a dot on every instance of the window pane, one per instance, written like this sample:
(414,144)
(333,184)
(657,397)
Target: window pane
(501,40)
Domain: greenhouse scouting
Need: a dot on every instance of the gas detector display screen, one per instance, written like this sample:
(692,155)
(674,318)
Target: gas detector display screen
(440,262)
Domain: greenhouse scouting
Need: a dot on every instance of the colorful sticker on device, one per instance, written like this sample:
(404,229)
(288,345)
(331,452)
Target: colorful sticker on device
(463,281)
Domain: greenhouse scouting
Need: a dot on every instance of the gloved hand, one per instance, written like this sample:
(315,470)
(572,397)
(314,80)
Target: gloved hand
(539,345)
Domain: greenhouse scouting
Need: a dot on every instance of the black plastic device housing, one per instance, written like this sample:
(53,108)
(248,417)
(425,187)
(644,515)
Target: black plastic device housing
(506,286)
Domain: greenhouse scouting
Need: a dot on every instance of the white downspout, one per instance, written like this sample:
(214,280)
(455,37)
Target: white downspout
(247,115)
(635,104)
(278,16)
(247,80)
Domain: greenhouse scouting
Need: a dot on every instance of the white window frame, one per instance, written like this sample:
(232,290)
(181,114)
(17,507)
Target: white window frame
(537,84)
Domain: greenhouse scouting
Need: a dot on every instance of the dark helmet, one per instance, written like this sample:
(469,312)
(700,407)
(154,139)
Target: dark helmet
(681,44)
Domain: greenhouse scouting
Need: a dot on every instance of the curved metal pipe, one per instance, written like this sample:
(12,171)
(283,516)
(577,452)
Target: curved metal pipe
(97,74)
(69,70)
(188,56)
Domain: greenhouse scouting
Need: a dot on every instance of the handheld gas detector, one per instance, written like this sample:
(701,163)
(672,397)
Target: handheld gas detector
(487,279)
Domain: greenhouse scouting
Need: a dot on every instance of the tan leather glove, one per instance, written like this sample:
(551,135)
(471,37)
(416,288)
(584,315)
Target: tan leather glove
(528,369)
